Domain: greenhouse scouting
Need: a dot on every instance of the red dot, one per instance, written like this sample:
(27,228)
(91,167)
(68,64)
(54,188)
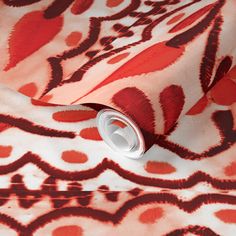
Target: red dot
(74,115)
(113,3)
(73,38)
(150,216)
(5,151)
(74,157)
(155,167)
(90,133)
(69,230)
(175,18)
(29,90)
(118,58)
(226,215)
(230,170)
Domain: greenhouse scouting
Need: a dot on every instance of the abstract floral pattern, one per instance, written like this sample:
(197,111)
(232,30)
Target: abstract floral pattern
(57,175)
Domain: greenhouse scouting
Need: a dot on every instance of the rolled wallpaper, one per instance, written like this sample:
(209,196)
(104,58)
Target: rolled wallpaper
(142,70)
(57,175)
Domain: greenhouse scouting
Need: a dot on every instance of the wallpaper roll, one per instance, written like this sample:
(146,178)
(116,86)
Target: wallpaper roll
(147,63)
(121,133)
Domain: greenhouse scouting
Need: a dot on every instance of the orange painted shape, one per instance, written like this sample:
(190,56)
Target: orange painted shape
(69,230)
(90,133)
(155,167)
(113,3)
(29,34)
(29,89)
(73,38)
(150,216)
(74,115)
(192,18)
(119,124)
(5,151)
(230,170)
(224,92)
(227,215)
(73,156)
(156,57)
(80,6)
(118,58)
(199,107)
(175,18)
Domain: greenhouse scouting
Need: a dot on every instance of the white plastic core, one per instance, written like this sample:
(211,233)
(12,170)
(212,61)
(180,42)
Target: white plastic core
(120,133)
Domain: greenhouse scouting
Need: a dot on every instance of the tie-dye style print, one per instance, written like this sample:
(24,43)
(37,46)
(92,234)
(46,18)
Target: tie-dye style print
(167,54)
(58,177)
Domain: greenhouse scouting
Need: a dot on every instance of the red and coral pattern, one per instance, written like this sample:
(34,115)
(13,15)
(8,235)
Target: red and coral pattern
(171,51)
(58,177)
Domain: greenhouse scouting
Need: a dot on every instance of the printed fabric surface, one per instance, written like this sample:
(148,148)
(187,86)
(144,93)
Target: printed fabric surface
(168,64)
